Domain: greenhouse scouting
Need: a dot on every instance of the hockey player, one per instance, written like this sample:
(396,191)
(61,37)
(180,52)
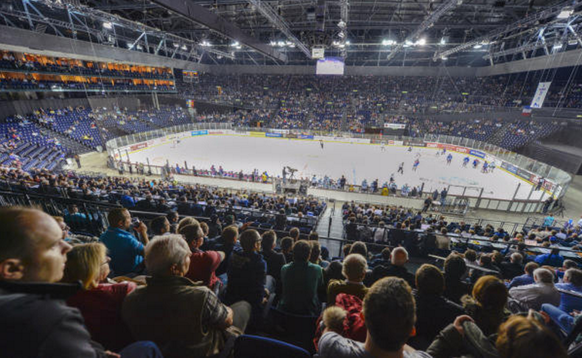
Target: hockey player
(485,167)
(415,165)
(401,168)
(466,161)
(321,143)
(475,163)
(449,159)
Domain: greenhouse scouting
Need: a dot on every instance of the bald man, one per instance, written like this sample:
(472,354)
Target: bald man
(36,322)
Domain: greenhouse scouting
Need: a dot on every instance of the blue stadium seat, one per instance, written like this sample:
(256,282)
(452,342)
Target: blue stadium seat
(247,346)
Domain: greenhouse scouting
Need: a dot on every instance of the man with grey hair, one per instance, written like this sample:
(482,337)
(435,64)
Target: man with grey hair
(184,318)
(572,282)
(398,259)
(354,269)
(534,295)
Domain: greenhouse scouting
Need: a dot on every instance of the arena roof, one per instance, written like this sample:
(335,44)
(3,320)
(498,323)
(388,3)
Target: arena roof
(474,33)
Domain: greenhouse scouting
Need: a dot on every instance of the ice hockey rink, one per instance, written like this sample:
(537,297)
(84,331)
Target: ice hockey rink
(356,161)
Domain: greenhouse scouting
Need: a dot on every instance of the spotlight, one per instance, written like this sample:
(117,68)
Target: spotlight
(107,25)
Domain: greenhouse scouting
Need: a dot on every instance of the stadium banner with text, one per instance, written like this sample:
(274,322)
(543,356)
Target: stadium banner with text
(523,173)
(137,146)
(196,133)
(283,131)
(477,153)
(509,167)
(540,96)
(395,142)
(275,135)
(303,136)
(217,132)
(451,147)
(342,139)
(257,134)
(548,185)
(395,125)
(291,135)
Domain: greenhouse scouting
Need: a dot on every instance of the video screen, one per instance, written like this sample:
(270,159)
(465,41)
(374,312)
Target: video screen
(330,66)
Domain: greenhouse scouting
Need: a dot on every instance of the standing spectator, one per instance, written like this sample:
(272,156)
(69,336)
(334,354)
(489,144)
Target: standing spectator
(78,160)
(354,269)
(433,311)
(32,260)
(226,243)
(534,295)
(275,261)
(302,283)
(247,273)
(455,286)
(183,318)
(99,301)
(389,300)
(203,264)
(443,196)
(125,250)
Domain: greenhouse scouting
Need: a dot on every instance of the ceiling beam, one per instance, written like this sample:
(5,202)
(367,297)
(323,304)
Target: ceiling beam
(425,24)
(204,17)
(270,14)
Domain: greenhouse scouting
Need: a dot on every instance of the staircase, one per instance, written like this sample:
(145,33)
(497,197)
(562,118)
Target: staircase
(67,142)
(335,228)
(498,136)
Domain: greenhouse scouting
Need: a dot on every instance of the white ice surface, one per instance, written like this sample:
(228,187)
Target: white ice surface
(355,161)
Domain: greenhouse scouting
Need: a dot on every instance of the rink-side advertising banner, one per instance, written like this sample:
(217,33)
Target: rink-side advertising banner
(477,153)
(394,125)
(275,135)
(303,136)
(540,96)
(195,133)
(257,134)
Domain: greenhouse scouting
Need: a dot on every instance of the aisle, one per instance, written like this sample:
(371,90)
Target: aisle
(336,230)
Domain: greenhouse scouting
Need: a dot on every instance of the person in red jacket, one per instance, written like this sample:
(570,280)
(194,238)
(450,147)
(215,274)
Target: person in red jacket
(100,302)
(203,264)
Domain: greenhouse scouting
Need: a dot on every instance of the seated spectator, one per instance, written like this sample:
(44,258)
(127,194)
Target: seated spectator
(553,258)
(275,261)
(203,264)
(99,301)
(389,300)
(315,257)
(526,278)
(146,204)
(433,311)
(32,260)
(487,303)
(486,262)
(354,270)
(534,295)
(519,337)
(564,320)
(302,282)
(226,243)
(247,273)
(125,250)
(455,286)
(513,268)
(287,248)
(173,218)
(183,318)
(314,236)
(572,282)
(359,248)
(398,259)
(160,226)
(294,233)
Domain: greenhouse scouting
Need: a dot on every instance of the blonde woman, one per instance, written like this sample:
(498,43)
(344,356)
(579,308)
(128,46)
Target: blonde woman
(99,301)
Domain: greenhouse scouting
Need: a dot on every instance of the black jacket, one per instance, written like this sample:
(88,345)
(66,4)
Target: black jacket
(433,313)
(385,271)
(36,322)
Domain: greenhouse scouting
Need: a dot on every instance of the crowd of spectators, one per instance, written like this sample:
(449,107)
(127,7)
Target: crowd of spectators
(30,63)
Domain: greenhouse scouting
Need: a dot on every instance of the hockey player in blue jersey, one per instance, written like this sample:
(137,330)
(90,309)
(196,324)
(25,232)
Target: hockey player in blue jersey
(485,166)
(415,165)
(475,163)
(466,161)
(449,159)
